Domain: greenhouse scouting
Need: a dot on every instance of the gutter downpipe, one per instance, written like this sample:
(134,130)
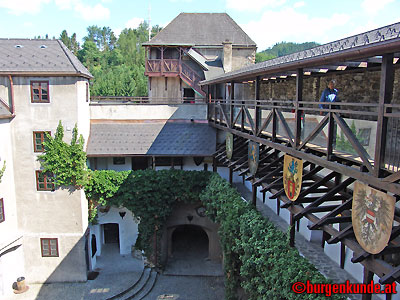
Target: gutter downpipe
(12,95)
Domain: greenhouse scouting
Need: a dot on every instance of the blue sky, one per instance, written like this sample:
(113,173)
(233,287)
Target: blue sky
(265,21)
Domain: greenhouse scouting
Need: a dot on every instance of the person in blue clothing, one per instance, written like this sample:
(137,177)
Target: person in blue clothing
(329,95)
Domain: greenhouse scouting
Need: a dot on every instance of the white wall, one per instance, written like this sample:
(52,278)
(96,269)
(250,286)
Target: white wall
(128,229)
(121,111)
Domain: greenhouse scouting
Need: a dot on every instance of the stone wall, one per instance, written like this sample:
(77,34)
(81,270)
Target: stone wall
(360,87)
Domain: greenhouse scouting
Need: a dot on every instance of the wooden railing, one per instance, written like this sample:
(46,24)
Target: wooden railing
(344,130)
(175,66)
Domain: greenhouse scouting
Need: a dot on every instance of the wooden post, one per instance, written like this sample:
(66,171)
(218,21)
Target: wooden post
(331,128)
(162,60)
(298,112)
(342,254)
(214,164)
(254,194)
(368,276)
(385,97)
(230,175)
(231,107)
(257,115)
(292,230)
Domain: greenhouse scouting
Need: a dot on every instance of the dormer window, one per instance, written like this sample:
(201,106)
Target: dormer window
(40,92)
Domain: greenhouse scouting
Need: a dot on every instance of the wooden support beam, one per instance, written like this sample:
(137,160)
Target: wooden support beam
(368,277)
(385,97)
(348,231)
(334,166)
(345,206)
(257,116)
(292,231)
(353,141)
(298,111)
(325,197)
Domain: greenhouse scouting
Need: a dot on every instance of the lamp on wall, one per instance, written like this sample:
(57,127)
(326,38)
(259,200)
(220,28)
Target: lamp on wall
(122,214)
(190,218)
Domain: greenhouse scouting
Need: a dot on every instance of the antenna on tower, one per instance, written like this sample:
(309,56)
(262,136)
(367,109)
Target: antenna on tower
(149,21)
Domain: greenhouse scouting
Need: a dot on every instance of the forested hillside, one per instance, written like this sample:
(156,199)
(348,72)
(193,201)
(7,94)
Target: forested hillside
(117,64)
(283,48)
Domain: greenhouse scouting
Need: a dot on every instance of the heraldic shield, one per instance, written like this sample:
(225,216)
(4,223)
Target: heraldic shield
(292,176)
(229,145)
(254,152)
(372,217)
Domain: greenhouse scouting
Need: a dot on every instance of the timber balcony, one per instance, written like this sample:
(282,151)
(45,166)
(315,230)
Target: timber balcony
(339,144)
(173,68)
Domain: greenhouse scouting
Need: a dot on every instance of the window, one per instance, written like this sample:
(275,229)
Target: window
(38,139)
(118,160)
(40,92)
(49,247)
(2,217)
(44,182)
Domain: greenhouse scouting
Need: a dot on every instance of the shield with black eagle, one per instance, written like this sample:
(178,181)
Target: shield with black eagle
(372,217)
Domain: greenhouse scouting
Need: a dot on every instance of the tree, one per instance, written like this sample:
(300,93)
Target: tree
(104,38)
(283,48)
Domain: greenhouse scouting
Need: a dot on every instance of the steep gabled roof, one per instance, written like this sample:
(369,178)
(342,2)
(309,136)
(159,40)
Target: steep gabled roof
(202,29)
(25,56)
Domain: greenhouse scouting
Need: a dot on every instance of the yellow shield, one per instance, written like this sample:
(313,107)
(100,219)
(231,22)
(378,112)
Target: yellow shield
(292,176)
(372,217)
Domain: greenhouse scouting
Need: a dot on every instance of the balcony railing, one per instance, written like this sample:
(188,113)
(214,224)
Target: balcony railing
(162,66)
(353,127)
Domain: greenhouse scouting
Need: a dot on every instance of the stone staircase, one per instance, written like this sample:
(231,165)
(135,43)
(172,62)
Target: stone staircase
(140,289)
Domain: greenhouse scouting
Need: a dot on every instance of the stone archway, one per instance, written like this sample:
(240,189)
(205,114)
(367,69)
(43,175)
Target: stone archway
(189,241)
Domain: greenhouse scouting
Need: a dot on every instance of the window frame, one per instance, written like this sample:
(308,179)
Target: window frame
(2,214)
(48,240)
(42,140)
(45,189)
(40,91)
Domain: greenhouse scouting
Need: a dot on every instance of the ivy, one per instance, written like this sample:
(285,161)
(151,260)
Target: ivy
(256,254)
(3,169)
(67,162)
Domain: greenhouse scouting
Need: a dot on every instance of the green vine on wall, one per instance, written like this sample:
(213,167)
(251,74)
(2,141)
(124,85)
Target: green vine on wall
(257,256)
(3,169)
(66,162)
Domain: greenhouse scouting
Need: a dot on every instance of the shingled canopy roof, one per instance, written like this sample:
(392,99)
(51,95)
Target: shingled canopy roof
(114,138)
(39,57)
(201,29)
(381,40)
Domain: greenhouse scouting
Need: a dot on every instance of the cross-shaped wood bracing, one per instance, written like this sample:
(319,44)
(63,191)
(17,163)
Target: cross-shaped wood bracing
(322,190)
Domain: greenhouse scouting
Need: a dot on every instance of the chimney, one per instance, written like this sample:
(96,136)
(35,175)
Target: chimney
(227,56)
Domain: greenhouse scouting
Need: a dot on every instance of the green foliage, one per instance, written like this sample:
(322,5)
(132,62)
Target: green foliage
(283,48)
(257,255)
(3,169)
(67,162)
(70,42)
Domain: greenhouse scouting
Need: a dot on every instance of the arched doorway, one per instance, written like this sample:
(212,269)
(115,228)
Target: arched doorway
(189,242)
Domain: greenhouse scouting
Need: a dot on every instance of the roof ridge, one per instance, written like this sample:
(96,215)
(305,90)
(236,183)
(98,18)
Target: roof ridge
(66,53)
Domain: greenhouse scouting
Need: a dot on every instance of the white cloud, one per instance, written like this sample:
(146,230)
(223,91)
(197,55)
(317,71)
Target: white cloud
(134,23)
(91,13)
(253,5)
(20,7)
(291,26)
(64,4)
(372,7)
